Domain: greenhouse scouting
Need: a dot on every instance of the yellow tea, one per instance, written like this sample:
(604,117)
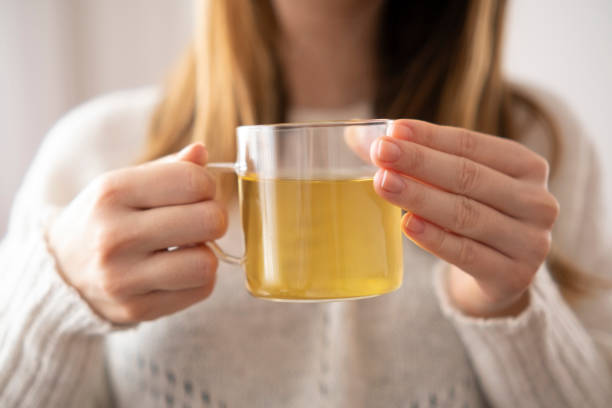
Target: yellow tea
(319,239)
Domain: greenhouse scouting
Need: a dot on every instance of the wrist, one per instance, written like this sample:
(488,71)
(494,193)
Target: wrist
(465,294)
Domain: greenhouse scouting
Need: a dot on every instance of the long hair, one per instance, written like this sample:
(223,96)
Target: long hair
(438,61)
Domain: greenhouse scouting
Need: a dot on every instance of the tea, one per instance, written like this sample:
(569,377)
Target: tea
(319,239)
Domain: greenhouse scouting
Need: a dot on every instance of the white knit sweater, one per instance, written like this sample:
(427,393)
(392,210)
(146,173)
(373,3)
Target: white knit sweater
(410,348)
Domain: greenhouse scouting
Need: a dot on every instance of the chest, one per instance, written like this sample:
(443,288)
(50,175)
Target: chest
(235,350)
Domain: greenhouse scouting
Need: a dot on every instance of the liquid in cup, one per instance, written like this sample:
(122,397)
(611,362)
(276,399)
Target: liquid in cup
(314,228)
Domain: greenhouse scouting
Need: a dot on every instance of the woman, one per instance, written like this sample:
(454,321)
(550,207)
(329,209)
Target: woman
(91,296)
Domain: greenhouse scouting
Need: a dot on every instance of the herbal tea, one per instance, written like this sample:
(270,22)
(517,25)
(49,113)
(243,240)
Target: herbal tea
(319,239)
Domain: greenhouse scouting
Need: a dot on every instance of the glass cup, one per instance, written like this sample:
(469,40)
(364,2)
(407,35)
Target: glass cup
(314,228)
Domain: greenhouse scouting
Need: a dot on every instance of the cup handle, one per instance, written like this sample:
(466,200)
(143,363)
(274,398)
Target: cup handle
(216,248)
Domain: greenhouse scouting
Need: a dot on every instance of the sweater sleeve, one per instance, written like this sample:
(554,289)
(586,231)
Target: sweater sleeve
(51,345)
(542,358)
(51,342)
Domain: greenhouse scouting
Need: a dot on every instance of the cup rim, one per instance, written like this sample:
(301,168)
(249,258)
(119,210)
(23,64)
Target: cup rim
(317,124)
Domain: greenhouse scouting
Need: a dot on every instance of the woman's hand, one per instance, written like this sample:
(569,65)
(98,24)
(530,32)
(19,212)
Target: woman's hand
(111,242)
(477,201)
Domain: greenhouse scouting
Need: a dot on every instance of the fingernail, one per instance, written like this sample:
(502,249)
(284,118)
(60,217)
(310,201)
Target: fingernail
(391,182)
(387,150)
(414,225)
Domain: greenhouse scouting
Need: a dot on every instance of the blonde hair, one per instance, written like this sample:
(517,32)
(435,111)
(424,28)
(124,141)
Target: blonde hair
(444,67)
(228,77)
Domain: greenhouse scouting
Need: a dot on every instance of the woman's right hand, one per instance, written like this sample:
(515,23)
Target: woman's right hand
(111,243)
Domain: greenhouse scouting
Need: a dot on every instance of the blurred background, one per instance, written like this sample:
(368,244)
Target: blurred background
(57,54)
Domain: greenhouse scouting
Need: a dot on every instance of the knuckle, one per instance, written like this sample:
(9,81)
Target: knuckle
(548,209)
(524,196)
(468,176)
(467,143)
(543,205)
(466,214)
(111,238)
(556,209)
(552,210)
(111,287)
(199,182)
(538,167)
(541,245)
(104,244)
(207,262)
(520,278)
(107,190)
(467,253)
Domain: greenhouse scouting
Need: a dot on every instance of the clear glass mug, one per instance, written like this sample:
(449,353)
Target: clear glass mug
(314,228)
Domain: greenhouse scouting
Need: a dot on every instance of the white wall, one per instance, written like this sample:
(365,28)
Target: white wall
(56,54)
(566,46)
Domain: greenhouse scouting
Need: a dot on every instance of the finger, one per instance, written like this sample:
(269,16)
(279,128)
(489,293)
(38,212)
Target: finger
(504,155)
(181,225)
(458,175)
(184,268)
(160,184)
(156,304)
(194,152)
(458,214)
(497,274)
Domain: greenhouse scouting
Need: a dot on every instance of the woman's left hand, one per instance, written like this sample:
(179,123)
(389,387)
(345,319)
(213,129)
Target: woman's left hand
(477,201)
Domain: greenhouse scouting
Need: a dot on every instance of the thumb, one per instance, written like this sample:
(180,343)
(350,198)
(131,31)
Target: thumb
(359,139)
(194,152)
